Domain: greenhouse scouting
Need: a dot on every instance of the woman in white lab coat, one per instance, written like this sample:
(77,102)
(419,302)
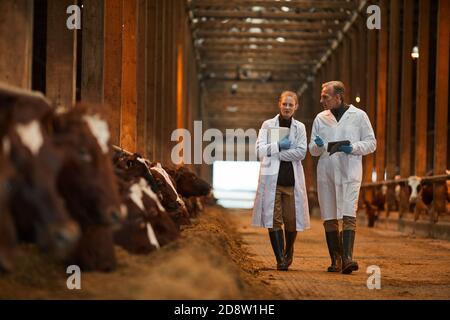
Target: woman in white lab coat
(281,197)
(339,175)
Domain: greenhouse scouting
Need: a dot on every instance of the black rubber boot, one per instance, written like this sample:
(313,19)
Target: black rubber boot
(277,241)
(289,250)
(348,239)
(335,251)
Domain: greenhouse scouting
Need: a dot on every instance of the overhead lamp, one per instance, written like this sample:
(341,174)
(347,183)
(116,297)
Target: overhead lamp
(415,52)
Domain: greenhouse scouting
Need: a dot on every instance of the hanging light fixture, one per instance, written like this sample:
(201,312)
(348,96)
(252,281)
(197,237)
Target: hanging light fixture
(415,52)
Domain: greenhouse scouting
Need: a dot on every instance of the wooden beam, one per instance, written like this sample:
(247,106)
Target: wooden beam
(275,4)
(16,41)
(113,67)
(441,109)
(210,42)
(406,101)
(129,107)
(61,55)
(275,25)
(152,79)
(272,15)
(288,35)
(92,85)
(383,40)
(142,77)
(422,92)
(248,49)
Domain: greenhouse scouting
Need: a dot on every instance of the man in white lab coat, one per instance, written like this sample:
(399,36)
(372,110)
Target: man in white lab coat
(339,174)
(281,197)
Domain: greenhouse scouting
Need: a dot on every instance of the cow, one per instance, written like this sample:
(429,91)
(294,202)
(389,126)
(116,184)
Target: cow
(188,184)
(8,237)
(37,209)
(170,199)
(88,184)
(148,226)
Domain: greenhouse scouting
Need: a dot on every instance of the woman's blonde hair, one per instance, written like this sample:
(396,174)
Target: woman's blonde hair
(289,94)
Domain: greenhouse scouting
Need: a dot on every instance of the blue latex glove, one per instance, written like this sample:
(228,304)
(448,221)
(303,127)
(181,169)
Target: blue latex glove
(284,144)
(318,140)
(346,149)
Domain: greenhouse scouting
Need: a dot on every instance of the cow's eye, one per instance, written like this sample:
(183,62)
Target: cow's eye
(84,155)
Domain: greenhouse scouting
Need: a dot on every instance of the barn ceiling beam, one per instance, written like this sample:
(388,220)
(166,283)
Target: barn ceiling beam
(271,15)
(275,4)
(264,42)
(246,49)
(288,35)
(228,24)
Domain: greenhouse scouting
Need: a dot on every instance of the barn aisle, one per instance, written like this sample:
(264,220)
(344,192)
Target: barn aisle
(411,268)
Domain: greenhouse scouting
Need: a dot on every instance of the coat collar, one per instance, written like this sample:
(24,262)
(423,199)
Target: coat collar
(276,121)
(351,109)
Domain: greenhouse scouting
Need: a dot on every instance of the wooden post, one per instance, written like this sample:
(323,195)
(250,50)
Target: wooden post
(61,55)
(393,101)
(406,101)
(113,66)
(93,51)
(129,99)
(142,77)
(152,64)
(381,91)
(441,110)
(422,89)
(16,41)
(369,160)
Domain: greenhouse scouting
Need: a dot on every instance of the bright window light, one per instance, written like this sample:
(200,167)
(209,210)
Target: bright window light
(235,183)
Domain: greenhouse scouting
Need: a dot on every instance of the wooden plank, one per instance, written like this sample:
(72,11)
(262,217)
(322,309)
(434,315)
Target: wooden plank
(393,99)
(113,67)
(16,40)
(381,93)
(61,55)
(441,109)
(275,25)
(406,102)
(422,92)
(129,108)
(142,77)
(271,15)
(152,79)
(288,35)
(92,85)
(275,4)
(370,90)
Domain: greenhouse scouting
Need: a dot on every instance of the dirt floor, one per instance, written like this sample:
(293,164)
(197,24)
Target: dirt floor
(220,256)
(208,262)
(411,268)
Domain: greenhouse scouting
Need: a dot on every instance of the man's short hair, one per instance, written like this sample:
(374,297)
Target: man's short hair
(289,94)
(338,88)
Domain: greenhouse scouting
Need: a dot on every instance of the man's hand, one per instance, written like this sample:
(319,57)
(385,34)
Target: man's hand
(346,149)
(284,144)
(318,141)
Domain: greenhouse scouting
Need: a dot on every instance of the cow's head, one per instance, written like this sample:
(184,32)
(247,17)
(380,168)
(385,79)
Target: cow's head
(87,181)
(38,210)
(188,183)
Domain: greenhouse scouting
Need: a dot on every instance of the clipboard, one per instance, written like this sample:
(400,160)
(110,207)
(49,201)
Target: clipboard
(334,146)
(276,134)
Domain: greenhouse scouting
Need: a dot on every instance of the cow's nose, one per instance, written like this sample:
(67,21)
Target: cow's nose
(118,215)
(66,236)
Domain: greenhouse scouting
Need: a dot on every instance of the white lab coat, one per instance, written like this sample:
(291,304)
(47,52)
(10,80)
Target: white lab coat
(339,176)
(271,155)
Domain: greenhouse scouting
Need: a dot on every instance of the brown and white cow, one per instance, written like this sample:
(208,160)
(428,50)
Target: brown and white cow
(38,210)
(88,184)
(148,226)
(8,238)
